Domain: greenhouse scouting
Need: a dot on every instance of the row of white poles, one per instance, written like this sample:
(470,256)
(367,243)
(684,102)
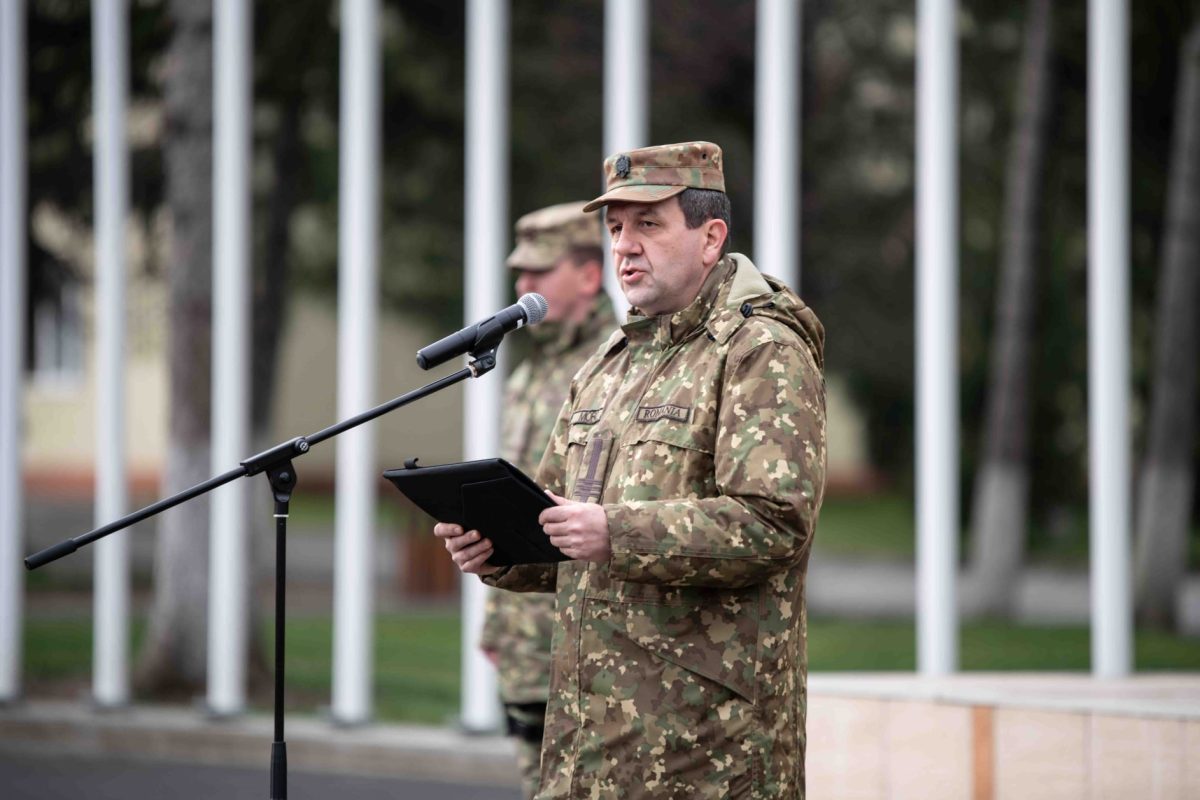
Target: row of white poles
(777,139)
(1108,337)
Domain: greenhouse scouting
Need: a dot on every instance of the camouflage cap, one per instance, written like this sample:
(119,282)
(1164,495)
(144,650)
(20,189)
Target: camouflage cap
(650,174)
(546,235)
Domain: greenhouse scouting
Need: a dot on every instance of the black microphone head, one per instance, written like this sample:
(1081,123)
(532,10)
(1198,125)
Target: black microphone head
(535,307)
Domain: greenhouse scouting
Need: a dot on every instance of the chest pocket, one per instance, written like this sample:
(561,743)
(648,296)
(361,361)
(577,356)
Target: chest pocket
(669,458)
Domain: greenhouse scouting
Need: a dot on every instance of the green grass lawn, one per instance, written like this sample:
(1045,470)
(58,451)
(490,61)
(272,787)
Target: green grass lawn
(417,656)
(317,510)
(883,526)
(416,664)
(872,526)
(840,645)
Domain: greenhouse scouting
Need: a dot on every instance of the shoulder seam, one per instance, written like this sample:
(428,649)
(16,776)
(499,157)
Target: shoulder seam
(796,344)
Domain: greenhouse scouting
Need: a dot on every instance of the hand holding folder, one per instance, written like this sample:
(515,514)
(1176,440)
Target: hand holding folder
(490,496)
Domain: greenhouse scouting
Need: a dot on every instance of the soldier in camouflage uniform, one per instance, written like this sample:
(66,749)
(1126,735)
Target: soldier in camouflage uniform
(558,255)
(690,460)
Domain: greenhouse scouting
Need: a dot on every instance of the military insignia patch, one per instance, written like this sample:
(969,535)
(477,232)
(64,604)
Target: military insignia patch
(587,416)
(622,166)
(589,486)
(653,413)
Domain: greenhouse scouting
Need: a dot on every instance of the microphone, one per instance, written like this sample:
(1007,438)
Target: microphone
(485,334)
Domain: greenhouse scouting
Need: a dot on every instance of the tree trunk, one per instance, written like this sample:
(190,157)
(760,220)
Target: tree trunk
(1001,494)
(173,658)
(1164,506)
(269,306)
(271,287)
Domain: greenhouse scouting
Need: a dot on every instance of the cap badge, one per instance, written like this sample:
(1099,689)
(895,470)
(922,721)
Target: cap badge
(622,166)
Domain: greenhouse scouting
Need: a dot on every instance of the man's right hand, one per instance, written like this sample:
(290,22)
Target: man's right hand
(469,550)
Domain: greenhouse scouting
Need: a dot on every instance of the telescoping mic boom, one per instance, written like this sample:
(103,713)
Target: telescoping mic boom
(485,334)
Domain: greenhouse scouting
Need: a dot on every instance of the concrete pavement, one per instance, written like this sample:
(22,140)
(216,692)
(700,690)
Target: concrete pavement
(49,777)
(161,742)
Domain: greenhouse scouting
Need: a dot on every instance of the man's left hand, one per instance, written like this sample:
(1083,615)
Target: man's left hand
(579,530)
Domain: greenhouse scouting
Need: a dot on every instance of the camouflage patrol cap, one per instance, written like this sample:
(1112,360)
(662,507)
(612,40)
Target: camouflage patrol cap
(546,235)
(650,174)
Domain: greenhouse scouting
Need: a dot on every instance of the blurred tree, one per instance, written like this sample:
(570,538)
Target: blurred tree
(1167,475)
(295,53)
(59,153)
(857,192)
(295,76)
(857,245)
(173,657)
(1001,498)
(857,229)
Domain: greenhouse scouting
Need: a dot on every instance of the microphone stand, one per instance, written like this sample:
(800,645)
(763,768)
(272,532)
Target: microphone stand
(276,462)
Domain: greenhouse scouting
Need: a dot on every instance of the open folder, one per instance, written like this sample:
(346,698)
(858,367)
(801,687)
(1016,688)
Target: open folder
(490,496)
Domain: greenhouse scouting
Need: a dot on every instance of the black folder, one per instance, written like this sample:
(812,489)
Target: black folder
(490,496)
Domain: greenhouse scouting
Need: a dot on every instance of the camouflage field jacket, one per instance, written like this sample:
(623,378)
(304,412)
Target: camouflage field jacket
(679,667)
(518,627)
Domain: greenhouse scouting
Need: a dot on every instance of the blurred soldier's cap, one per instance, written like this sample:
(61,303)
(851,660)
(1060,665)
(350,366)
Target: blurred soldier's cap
(546,235)
(650,174)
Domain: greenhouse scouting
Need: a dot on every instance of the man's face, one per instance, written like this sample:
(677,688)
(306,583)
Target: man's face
(568,288)
(660,262)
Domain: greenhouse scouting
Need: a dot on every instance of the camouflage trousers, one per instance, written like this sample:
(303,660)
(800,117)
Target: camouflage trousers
(526,722)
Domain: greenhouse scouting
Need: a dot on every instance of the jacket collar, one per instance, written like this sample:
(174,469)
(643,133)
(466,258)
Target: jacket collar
(666,330)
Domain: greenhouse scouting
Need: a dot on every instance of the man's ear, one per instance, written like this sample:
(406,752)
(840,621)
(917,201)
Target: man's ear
(592,277)
(715,234)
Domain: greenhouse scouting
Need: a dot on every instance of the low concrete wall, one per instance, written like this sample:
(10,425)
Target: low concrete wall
(1003,737)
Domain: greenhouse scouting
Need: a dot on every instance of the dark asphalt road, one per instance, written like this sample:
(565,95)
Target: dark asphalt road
(45,778)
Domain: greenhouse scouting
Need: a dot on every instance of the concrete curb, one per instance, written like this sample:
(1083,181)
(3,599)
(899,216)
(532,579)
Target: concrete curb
(157,733)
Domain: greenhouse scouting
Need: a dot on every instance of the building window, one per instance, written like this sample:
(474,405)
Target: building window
(58,337)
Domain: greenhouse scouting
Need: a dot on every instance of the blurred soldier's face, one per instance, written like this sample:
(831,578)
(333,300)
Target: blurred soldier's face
(660,262)
(568,288)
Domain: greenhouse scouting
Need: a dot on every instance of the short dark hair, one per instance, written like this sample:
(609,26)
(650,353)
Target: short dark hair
(701,205)
(583,253)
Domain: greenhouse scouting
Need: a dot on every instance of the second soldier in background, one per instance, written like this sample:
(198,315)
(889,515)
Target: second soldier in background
(559,256)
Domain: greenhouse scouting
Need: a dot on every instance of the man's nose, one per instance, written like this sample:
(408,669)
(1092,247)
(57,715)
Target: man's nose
(626,244)
(525,283)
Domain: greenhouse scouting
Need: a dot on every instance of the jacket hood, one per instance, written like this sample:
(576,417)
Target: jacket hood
(734,291)
(751,293)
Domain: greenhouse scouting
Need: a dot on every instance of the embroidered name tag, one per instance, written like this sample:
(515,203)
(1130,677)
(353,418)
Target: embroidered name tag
(652,413)
(587,416)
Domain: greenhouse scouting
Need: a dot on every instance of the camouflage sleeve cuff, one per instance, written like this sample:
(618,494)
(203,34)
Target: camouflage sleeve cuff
(495,578)
(634,558)
(524,578)
(710,557)
(622,524)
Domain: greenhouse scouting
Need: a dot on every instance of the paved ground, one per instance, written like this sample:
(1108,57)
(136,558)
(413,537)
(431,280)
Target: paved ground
(49,778)
(51,749)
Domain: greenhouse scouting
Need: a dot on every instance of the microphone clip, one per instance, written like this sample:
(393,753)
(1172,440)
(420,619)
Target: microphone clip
(482,362)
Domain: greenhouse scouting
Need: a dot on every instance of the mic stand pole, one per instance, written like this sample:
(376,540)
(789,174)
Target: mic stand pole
(281,474)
